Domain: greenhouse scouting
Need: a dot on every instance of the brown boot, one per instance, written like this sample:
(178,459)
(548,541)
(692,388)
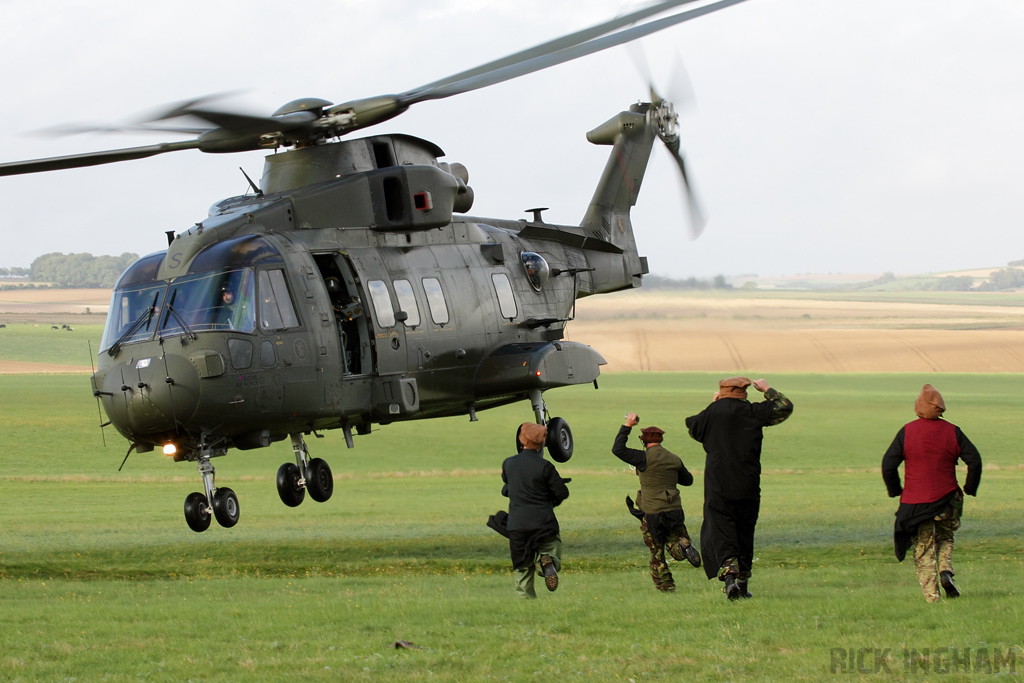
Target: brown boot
(547,567)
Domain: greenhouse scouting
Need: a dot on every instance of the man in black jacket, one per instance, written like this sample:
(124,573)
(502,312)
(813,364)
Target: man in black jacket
(533,487)
(662,520)
(730,430)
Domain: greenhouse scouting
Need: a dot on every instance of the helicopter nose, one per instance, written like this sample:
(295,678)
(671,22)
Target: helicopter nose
(150,396)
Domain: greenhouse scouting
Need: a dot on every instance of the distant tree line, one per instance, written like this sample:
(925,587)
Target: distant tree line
(662,282)
(1007,278)
(80,270)
(998,281)
(20,273)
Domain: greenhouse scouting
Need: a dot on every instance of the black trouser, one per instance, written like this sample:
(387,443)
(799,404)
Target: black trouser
(728,532)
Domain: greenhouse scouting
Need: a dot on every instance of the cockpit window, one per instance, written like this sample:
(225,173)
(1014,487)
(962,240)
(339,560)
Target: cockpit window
(235,253)
(219,301)
(276,310)
(537,269)
(143,270)
(134,312)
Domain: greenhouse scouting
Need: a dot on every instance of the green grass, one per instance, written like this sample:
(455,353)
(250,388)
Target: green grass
(40,343)
(101,579)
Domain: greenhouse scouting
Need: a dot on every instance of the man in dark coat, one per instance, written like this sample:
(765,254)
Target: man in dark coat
(662,520)
(730,430)
(931,502)
(533,487)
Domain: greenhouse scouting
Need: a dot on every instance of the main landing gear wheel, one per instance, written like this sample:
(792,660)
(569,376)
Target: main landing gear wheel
(225,507)
(197,512)
(559,441)
(319,480)
(290,485)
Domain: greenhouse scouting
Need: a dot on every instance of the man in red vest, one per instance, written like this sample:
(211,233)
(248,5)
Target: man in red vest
(931,502)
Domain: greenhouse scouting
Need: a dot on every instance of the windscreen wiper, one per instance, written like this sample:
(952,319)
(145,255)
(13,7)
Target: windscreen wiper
(177,316)
(143,319)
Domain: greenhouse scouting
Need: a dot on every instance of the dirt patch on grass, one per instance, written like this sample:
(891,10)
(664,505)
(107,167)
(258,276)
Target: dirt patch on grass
(12,367)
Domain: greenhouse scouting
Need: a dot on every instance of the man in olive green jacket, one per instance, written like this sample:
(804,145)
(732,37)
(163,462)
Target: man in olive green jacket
(660,510)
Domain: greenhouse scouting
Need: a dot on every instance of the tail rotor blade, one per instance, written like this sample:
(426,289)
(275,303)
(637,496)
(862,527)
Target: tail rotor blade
(697,219)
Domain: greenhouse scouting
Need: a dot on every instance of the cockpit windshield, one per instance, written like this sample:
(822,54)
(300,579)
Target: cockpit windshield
(221,301)
(218,293)
(134,311)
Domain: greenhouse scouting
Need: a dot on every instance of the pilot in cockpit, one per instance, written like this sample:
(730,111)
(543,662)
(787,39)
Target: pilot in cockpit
(226,307)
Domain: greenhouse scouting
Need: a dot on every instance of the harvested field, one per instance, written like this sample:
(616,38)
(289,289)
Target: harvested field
(54,300)
(720,331)
(651,331)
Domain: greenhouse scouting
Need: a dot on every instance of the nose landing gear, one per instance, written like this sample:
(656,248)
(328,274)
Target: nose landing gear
(306,474)
(199,511)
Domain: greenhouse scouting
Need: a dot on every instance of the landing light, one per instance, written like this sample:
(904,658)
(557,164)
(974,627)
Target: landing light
(170,449)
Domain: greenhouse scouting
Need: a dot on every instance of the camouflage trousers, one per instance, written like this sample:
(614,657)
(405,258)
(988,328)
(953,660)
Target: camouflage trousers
(731,565)
(933,548)
(675,542)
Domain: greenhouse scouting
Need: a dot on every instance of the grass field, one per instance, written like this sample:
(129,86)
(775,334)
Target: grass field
(101,579)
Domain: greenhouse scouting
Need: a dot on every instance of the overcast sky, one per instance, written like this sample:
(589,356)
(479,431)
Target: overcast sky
(826,135)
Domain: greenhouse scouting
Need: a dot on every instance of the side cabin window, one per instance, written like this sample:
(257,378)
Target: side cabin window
(435,300)
(407,302)
(381,299)
(276,310)
(506,299)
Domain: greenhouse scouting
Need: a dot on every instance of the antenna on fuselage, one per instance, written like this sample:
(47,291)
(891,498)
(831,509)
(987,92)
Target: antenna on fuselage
(254,186)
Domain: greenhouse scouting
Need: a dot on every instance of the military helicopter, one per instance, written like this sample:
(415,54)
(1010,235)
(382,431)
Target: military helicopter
(350,287)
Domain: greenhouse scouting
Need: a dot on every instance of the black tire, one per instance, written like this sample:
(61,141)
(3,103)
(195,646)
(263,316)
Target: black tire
(196,516)
(288,487)
(319,480)
(225,507)
(559,441)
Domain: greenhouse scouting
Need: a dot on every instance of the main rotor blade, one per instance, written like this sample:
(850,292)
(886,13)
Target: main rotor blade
(560,57)
(552,45)
(247,124)
(93,158)
(73,129)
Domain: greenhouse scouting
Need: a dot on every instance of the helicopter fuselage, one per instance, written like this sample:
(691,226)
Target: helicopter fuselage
(356,298)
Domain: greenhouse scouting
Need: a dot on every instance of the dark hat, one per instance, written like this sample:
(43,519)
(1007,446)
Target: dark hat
(651,435)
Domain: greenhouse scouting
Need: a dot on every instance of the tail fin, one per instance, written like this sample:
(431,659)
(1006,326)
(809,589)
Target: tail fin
(631,136)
